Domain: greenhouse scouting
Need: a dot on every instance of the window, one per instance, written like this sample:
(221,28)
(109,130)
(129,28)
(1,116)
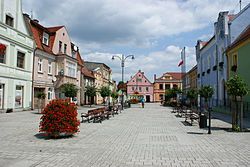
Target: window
(133,88)
(20,59)
(9,21)
(50,94)
(167,86)
(1,95)
(45,38)
(140,89)
(65,48)
(19,97)
(161,96)
(138,80)
(175,86)
(235,60)
(2,53)
(161,86)
(40,65)
(60,46)
(147,89)
(50,67)
(209,62)
(71,69)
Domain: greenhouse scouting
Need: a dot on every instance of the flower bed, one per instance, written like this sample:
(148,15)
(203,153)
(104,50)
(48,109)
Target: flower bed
(59,118)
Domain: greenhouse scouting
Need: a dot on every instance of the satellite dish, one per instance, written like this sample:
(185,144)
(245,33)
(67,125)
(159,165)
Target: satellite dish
(75,48)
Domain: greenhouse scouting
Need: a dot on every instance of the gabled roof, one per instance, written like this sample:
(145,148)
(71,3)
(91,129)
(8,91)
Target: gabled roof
(87,73)
(245,35)
(142,73)
(174,75)
(54,29)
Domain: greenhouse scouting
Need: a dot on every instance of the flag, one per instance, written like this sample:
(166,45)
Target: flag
(180,63)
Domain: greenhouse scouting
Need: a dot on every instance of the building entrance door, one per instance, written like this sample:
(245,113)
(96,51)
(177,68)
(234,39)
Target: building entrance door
(147,98)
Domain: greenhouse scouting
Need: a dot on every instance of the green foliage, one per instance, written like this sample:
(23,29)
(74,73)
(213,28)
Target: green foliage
(90,91)
(40,95)
(105,91)
(192,94)
(171,93)
(206,92)
(69,89)
(236,87)
(114,95)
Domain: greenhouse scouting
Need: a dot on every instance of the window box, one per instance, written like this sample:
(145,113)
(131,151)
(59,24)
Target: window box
(221,64)
(215,68)
(234,68)
(208,71)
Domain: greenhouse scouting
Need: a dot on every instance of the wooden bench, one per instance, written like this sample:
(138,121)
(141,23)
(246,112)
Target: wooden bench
(97,115)
(192,115)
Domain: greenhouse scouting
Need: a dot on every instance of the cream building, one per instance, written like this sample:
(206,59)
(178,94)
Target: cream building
(16,57)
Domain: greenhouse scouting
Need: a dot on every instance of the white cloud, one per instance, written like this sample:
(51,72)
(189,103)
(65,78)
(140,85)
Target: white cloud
(127,22)
(155,62)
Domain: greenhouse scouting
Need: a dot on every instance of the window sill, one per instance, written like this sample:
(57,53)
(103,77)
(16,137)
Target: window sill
(40,72)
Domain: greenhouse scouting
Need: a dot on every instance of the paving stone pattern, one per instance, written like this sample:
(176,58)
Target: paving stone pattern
(152,136)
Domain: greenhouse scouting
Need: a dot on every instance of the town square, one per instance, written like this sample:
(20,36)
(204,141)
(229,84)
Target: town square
(108,83)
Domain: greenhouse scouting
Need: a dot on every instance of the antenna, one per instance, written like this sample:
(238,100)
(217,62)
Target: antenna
(31,14)
(240,5)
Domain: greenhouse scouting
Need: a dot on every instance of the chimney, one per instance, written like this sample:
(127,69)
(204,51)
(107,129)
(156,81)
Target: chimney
(154,76)
(35,20)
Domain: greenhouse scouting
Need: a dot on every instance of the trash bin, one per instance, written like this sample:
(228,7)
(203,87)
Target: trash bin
(203,121)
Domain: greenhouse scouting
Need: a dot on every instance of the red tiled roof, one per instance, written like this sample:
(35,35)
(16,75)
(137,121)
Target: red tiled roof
(245,35)
(79,59)
(174,75)
(54,29)
(87,73)
(38,30)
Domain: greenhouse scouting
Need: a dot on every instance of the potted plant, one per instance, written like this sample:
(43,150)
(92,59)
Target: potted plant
(59,119)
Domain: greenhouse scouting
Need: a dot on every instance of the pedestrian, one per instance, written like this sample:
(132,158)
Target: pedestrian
(142,102)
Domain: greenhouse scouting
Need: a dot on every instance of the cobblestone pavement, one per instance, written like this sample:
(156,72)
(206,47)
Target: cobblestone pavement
(152,136)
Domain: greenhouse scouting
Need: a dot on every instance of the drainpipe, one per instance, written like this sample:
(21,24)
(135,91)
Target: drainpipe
(32,85)
(217,63)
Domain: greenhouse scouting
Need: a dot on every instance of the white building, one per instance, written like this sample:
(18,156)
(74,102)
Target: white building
(16,57)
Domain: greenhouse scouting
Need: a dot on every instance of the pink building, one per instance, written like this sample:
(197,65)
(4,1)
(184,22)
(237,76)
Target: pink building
(139,83)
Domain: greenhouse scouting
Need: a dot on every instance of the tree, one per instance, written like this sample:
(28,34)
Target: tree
(172,93)
(41,96)
(236,87)
(192,95)
(90,92)
(114,96)
(105,92)
(69,89)
(207,92)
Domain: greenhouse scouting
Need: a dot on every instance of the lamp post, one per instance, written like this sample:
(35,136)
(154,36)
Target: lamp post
(123,59)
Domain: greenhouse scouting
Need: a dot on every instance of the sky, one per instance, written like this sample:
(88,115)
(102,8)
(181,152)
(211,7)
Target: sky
(154,31)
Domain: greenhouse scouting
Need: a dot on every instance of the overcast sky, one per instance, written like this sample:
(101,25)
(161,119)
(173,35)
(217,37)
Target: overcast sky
(154,31)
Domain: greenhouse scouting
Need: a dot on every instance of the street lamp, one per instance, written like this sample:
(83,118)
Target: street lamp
(123,59)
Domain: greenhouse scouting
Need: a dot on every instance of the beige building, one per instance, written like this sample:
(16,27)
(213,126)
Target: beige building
(167,81)
(103,77)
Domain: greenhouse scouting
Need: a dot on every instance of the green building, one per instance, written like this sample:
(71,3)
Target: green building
(238,58)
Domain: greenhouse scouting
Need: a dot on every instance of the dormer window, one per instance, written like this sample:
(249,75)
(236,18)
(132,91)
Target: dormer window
(45,38)
(9,20)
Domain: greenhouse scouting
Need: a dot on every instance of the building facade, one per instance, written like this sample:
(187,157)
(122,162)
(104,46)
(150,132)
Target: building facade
(238,59)
(141,85)
(167,81)
(103,77)
(16,57)
(191,80)
(211,57)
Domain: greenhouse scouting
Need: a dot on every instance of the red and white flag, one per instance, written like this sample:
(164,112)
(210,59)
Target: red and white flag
(180,63)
